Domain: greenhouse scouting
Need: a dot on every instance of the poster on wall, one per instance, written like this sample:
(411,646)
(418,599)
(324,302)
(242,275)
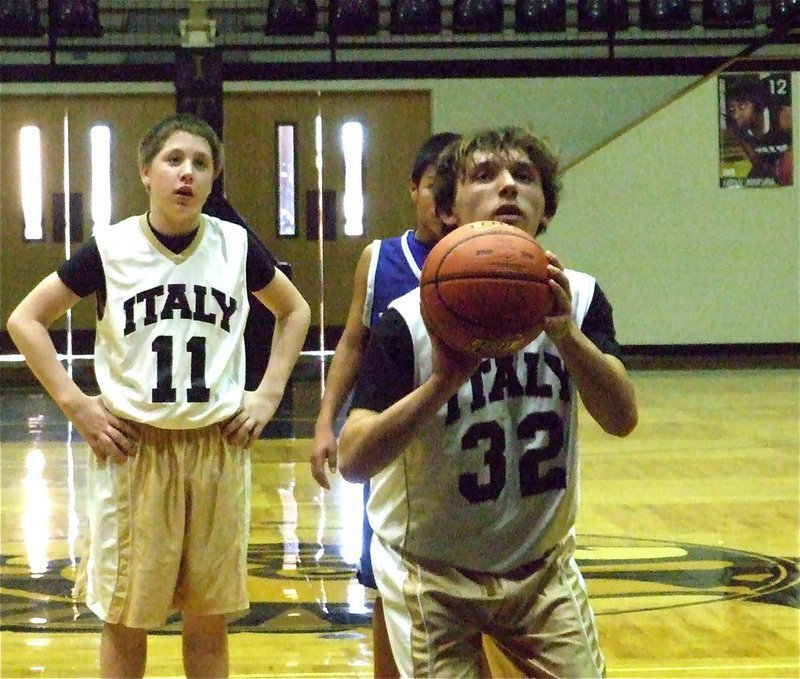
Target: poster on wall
(755,130)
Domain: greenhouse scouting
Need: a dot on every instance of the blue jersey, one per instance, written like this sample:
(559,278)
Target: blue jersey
(393,271)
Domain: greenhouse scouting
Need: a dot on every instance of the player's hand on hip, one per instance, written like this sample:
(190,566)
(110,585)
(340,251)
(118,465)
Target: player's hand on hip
(246,425)
(108,436)
(323,454)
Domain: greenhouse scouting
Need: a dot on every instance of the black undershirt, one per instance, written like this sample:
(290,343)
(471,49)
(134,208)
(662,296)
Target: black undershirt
(83,271)
(386,370)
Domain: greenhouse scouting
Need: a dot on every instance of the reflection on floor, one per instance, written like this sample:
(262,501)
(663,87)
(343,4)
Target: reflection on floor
(687,535)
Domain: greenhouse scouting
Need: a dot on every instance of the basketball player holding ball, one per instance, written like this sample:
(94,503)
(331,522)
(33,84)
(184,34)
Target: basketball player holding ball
(473,462)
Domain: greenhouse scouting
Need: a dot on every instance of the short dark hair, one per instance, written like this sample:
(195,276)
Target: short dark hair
(429,152)
(453,161)
(746,88)
(154,139)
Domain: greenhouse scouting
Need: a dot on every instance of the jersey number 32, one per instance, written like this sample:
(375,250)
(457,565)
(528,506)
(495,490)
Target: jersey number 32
(532,481)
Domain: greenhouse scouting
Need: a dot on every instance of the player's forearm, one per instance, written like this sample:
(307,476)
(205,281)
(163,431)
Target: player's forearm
(33,341)
(370,441)
(756,160)
(601,381)
(340,381)
(288,338)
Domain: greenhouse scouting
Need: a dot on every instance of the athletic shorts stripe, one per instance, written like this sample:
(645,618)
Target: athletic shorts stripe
(538,617)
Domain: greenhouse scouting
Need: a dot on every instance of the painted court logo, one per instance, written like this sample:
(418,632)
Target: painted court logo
(662,574)
(308,587)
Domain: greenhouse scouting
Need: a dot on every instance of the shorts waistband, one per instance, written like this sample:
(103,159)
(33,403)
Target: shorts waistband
(526,570)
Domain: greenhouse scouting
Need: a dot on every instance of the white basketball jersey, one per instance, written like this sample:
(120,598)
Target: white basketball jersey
(491,483)
(169,349)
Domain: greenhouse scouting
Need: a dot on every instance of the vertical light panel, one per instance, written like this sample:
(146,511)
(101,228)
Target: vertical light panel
(67,210)
(100,145)
(67,233)
(30,173)
(353,151)
(287,197)
(320,240)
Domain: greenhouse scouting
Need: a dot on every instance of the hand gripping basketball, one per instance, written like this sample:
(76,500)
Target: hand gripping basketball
(484,289)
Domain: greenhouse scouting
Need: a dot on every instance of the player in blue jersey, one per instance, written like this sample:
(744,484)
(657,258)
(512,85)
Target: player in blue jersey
(169,475)
(386,269)
(473,464)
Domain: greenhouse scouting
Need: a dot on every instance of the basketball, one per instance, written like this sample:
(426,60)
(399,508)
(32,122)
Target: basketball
(484,289)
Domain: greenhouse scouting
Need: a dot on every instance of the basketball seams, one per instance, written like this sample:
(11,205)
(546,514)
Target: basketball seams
(486,297)
(462,318)
(437,276)
(487,276)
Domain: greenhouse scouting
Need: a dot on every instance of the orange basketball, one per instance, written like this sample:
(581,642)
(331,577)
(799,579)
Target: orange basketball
(484,289)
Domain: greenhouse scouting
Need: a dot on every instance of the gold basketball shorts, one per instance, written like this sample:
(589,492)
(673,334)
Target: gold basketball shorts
(168,529)
(537,616)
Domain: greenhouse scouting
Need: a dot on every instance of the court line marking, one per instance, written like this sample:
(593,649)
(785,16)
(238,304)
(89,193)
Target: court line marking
(695,668)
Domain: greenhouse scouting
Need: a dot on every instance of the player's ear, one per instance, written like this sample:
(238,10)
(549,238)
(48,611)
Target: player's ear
(144,175)
(413,189)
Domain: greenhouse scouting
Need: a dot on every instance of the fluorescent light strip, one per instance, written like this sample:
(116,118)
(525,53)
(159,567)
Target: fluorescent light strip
(30,172)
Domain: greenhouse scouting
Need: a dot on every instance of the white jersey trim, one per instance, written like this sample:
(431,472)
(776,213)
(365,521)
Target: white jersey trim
(366,313)
(412,263)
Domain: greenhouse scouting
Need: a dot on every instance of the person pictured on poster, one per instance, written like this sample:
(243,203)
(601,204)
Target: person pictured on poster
(756,130)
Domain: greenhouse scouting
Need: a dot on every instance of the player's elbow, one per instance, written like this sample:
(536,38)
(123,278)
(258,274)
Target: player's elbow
(11,324)
(350,462)
(302,311)
(353,473)
(363,449)
(624,422)
(15,327)
(351,466)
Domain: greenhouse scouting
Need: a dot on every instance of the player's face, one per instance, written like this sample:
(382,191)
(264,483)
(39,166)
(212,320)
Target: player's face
(506,187)
(179,180)
(429,226)
(742,113)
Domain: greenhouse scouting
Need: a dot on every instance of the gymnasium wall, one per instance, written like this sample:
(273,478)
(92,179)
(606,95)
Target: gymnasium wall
(682,261)
(395,122)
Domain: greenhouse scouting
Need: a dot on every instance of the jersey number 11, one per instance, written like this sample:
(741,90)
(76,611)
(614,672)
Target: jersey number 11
(164,391)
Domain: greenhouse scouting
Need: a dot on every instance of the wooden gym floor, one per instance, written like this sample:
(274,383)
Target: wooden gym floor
(688,535)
